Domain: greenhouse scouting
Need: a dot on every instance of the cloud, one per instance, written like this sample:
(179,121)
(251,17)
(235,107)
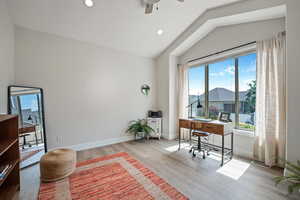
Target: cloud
(196,91)
(217,74)
(34,105)
(251,67)
(230,70)
(244,84)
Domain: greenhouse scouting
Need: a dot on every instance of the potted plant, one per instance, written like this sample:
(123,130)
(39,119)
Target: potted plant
(292,177)
(139,127)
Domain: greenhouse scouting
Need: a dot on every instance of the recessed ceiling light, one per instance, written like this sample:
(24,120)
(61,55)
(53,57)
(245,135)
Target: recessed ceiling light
(160,32)
(89,3)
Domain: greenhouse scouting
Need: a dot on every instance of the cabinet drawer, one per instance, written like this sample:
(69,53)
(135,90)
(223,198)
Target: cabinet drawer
(213,128)
(184,123)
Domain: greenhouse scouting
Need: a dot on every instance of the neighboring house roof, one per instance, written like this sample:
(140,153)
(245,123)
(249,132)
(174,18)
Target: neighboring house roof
(221,94)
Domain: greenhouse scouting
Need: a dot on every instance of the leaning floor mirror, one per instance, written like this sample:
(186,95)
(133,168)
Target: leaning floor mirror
(28,104)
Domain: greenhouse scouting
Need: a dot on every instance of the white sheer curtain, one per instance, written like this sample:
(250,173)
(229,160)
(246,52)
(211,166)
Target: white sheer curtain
(270,131)
(183,93)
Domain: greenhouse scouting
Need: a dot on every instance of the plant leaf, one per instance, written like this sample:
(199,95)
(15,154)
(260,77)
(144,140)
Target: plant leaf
(279,179)
(296,167)
(292,170)
(290,189)
(293,187)
(139,125)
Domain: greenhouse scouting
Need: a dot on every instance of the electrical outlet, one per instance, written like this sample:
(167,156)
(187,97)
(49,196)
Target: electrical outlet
(58,140)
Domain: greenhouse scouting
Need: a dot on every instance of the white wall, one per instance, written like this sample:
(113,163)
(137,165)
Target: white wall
(6,54)
(162,78)
(293,72)
(91,92)
(235,35)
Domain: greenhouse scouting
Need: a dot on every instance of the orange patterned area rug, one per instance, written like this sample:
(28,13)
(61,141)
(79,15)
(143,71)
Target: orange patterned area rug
(117,176)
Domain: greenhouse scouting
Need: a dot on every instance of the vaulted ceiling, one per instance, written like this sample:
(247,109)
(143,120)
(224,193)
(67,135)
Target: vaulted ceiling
(116,24)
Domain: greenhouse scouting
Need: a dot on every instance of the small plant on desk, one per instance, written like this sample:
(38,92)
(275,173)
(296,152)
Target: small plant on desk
(139,127)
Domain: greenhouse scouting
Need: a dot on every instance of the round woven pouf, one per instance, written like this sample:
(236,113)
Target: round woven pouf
(57,164)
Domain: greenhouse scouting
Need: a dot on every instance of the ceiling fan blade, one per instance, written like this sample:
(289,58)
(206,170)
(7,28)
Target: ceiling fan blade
(149,8)
(180,0)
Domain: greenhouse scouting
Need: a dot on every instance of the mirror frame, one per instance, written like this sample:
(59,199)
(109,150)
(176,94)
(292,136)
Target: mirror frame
(42,105)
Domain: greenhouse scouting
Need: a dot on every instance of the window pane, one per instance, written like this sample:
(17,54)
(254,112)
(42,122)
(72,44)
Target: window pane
(247,91)
(14,105)
(196,91)
(221,88)
(29,108)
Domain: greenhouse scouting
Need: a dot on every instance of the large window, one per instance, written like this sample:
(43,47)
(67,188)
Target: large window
(225,86)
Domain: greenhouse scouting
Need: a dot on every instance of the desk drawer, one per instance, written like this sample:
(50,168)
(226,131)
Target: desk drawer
(184,123)
(27,129)
(213,128)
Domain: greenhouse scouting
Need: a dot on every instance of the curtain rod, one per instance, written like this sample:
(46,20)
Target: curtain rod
(217,53)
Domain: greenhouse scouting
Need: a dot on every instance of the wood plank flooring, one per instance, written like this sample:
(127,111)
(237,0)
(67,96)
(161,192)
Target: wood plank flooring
(196,178)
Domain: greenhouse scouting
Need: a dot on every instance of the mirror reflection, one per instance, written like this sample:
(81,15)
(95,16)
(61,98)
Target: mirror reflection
(27,103)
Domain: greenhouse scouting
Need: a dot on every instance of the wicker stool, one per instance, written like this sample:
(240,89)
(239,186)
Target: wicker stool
(57,164)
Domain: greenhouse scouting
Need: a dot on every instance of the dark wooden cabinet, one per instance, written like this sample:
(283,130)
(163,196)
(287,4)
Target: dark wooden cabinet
(9,154)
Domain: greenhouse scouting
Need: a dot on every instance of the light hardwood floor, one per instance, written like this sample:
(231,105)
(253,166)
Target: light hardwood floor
(196,178)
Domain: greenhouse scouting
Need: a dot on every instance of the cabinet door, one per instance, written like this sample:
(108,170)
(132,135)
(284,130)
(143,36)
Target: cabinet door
(155,123)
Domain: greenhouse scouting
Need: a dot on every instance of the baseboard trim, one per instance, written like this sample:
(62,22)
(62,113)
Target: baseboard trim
(90,145)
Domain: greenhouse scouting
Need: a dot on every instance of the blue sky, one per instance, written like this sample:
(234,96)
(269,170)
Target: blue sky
(29,101)
(221,74)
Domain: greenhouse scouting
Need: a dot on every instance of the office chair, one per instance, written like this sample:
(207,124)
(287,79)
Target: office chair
(199,147)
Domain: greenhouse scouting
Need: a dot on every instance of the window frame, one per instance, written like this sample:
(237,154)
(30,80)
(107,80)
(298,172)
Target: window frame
(208,62)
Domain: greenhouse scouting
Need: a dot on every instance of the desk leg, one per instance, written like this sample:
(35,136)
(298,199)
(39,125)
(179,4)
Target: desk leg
(231,145)
(190,137)
(24,142)
(36,139)
(179,139)
(222,161)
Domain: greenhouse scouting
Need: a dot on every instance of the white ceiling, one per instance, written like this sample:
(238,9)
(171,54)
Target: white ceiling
(117,24)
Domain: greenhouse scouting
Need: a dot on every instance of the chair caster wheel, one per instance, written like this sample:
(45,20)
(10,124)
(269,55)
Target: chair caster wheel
(203,157)
(194,155)
(190,151)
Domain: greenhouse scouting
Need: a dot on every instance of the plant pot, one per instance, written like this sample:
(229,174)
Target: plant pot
(139,135)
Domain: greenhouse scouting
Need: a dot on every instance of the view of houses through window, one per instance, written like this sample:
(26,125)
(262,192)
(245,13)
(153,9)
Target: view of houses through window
(231,88)
(221,86)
